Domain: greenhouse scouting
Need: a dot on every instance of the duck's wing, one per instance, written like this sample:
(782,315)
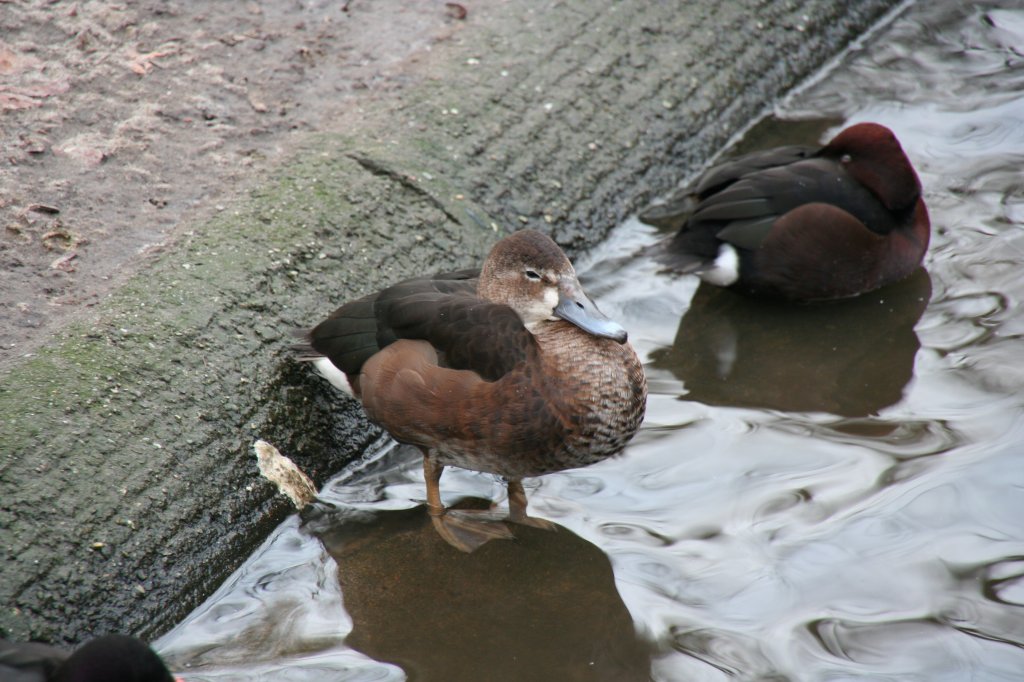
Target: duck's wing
(744,213)
(724,174)
(351,334)
(348,337)
(673,212)
(467,332)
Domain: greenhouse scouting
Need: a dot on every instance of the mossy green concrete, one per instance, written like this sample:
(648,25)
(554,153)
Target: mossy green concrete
(127,483)
(127,466)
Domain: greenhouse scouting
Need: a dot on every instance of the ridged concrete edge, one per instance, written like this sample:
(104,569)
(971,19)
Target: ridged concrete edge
(128,488)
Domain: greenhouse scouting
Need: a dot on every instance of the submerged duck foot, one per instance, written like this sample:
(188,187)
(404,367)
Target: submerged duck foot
(467,529)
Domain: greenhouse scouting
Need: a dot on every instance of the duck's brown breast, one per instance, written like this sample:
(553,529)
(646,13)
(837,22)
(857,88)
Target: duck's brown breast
(578,401)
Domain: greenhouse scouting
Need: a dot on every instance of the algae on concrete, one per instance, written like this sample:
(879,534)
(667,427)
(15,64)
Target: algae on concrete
(128,489)
(127,472)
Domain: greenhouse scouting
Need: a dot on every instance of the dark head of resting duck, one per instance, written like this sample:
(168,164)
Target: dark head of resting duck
(108,658)
(512,370)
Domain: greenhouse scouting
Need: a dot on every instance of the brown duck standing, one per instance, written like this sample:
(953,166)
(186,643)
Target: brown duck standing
(511,370)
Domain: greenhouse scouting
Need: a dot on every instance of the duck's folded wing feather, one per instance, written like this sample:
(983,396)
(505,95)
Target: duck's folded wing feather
(673,212)
(467,332)
(744,212)
(352,333)
(348,337)
(724,174)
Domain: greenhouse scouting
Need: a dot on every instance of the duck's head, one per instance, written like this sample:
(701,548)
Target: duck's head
(873,156)
(113,657)
(529,273)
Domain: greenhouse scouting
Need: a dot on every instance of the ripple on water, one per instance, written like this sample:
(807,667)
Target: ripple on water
(634,533)
(732,653)
(1003,581)
(887,647)
(924,648)
(957,322)
(961,55)
(900,439)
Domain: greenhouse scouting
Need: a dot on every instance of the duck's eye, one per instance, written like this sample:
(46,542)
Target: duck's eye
(532,276)
(845,158)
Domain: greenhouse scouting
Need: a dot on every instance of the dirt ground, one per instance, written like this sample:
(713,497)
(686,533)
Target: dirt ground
(119,119)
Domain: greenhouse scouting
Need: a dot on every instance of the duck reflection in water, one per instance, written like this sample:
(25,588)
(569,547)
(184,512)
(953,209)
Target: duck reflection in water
(850,358)
(511,369)
(543,608)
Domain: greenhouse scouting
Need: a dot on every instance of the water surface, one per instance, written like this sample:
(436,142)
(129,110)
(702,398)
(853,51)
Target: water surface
(833,493)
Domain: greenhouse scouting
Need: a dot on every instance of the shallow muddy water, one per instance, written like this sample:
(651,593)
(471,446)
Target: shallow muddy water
(828,493)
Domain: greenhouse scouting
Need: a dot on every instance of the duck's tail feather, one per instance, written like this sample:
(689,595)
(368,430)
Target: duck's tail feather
(672,214)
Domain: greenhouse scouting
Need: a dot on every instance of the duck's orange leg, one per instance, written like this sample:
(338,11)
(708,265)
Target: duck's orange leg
(458,528)
(517,507)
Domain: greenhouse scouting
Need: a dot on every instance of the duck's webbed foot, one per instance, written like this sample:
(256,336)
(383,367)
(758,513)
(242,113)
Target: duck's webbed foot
(463,529)
(467,529)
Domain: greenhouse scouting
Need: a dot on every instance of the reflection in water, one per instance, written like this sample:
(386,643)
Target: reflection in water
(542,608)
(902,439)
(851,357)
(545,607)
(735,655)
(279,617)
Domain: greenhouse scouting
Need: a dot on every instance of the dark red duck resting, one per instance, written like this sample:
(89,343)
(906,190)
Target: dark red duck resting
(802,223)
(510,370)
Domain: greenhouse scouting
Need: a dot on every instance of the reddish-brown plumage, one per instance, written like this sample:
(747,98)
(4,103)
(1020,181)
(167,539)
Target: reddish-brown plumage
(803,223)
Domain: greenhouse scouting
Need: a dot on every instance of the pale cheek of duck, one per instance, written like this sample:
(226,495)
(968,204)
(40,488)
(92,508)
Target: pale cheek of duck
(541,310)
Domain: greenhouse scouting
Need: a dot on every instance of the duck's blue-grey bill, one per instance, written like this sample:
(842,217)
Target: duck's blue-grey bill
(576,307)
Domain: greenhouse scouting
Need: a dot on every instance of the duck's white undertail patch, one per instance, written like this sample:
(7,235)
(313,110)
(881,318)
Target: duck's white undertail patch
(725,270)
(334,375)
